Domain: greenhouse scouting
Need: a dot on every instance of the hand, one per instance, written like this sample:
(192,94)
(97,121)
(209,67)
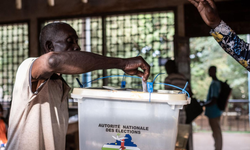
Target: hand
(132,65)
(208,12)
(202,103)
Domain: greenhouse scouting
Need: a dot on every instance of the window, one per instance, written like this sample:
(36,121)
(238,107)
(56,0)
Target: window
(14,48)
(149,35)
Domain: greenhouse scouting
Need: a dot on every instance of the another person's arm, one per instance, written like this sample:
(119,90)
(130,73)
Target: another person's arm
(223,34)
(76,62)
(212,101)
(232,44)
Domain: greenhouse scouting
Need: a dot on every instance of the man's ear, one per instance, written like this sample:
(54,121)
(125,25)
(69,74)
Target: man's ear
(49,46)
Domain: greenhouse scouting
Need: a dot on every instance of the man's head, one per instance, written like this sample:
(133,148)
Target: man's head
(212,71)
(171,67)
(58,37)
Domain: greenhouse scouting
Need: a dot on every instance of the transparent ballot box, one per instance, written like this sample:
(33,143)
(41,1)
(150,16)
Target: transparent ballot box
(127,120)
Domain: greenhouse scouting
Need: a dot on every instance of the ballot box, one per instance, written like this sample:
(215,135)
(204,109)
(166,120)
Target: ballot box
(127,120)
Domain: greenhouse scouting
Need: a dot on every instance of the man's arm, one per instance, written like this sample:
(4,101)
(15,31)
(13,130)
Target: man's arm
(210,102)
(222,33)
(232,44)
(76,62)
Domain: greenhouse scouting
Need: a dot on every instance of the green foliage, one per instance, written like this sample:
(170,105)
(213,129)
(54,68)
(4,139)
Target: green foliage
(14,46)
(150,34)
(204,52)
(147,34)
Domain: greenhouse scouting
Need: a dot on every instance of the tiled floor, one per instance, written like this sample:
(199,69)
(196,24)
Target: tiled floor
(231,141)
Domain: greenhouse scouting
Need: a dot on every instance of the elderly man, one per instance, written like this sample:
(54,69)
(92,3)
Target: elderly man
(39,113)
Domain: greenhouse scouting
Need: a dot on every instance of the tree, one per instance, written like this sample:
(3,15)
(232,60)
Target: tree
(204,52)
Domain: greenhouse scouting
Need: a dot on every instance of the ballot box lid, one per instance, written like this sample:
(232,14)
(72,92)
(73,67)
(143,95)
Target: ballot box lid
(162,96)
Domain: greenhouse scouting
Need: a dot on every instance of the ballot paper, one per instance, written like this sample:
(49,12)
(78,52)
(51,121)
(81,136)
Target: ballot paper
(144,85)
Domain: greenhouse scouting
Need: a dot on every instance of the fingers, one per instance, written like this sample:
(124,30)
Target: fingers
(208,3)
(194,3)
(145,74)
(137,62)
(146,68)
(211,3)
(203,2)
(139,73)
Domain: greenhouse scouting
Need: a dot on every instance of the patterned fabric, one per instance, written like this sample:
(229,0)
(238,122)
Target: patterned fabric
(232,44)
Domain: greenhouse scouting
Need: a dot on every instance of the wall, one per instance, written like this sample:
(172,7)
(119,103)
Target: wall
(33,11)
(41,9)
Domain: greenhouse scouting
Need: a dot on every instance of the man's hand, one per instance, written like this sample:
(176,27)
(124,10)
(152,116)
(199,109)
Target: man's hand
(202,103)
(132,65)
(208,12)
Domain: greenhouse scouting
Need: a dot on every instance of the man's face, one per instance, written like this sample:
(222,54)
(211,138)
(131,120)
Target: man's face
(66,40)
(211,72)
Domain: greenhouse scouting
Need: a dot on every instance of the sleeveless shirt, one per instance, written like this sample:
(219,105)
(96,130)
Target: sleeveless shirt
(39,120)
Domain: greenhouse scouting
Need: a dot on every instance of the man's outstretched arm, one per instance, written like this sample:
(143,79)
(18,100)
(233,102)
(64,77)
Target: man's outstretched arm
(76,62)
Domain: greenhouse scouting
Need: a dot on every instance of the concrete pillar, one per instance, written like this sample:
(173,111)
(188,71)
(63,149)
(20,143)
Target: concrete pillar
(180,21)
(33,34)
(181,44)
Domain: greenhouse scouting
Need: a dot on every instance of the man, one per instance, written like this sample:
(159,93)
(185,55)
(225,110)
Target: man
(212,110)
(39,113)
(223,34)
(176,78)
